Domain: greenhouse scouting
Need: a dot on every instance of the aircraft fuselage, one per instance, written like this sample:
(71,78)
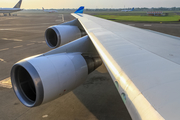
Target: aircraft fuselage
(9,10)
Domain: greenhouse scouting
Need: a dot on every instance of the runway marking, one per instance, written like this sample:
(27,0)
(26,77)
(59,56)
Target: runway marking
(41,42)
(18,46)
(2,60)
(11,39)
(147,25)
(38,42)
(5,29)
(6,83)
(4,49)
(30,44)
(62,18)
(44,116)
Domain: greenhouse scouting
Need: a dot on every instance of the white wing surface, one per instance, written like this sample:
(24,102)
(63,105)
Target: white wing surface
(144,65)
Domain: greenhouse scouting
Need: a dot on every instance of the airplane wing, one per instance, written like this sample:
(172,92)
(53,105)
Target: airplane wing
(144,66)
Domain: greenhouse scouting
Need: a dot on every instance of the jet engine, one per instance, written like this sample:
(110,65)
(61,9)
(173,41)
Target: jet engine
(61,34)
(40,79)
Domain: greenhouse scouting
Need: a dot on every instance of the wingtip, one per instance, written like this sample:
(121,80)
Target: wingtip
(80,10)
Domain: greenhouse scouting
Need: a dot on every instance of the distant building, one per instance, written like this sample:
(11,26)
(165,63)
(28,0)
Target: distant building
(154,13)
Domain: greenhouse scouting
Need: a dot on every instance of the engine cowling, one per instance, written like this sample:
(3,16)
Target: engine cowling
(61,34)
(40,79)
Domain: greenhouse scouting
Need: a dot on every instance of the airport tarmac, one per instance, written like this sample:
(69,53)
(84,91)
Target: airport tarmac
(96,99)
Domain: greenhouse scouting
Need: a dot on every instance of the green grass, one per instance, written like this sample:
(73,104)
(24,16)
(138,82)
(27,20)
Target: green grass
(140,17)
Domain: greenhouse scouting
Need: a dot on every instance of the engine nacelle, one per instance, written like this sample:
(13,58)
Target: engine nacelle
(61,34)
(40,79)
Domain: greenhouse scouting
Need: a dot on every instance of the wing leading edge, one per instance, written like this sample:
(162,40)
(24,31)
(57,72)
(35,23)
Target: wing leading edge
(141,65)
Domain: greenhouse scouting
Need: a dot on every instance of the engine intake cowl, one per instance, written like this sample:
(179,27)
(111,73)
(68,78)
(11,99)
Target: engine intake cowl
(61,34)
(40,79)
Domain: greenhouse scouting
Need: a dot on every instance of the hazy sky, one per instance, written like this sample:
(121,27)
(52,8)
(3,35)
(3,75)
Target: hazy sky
(33,4)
